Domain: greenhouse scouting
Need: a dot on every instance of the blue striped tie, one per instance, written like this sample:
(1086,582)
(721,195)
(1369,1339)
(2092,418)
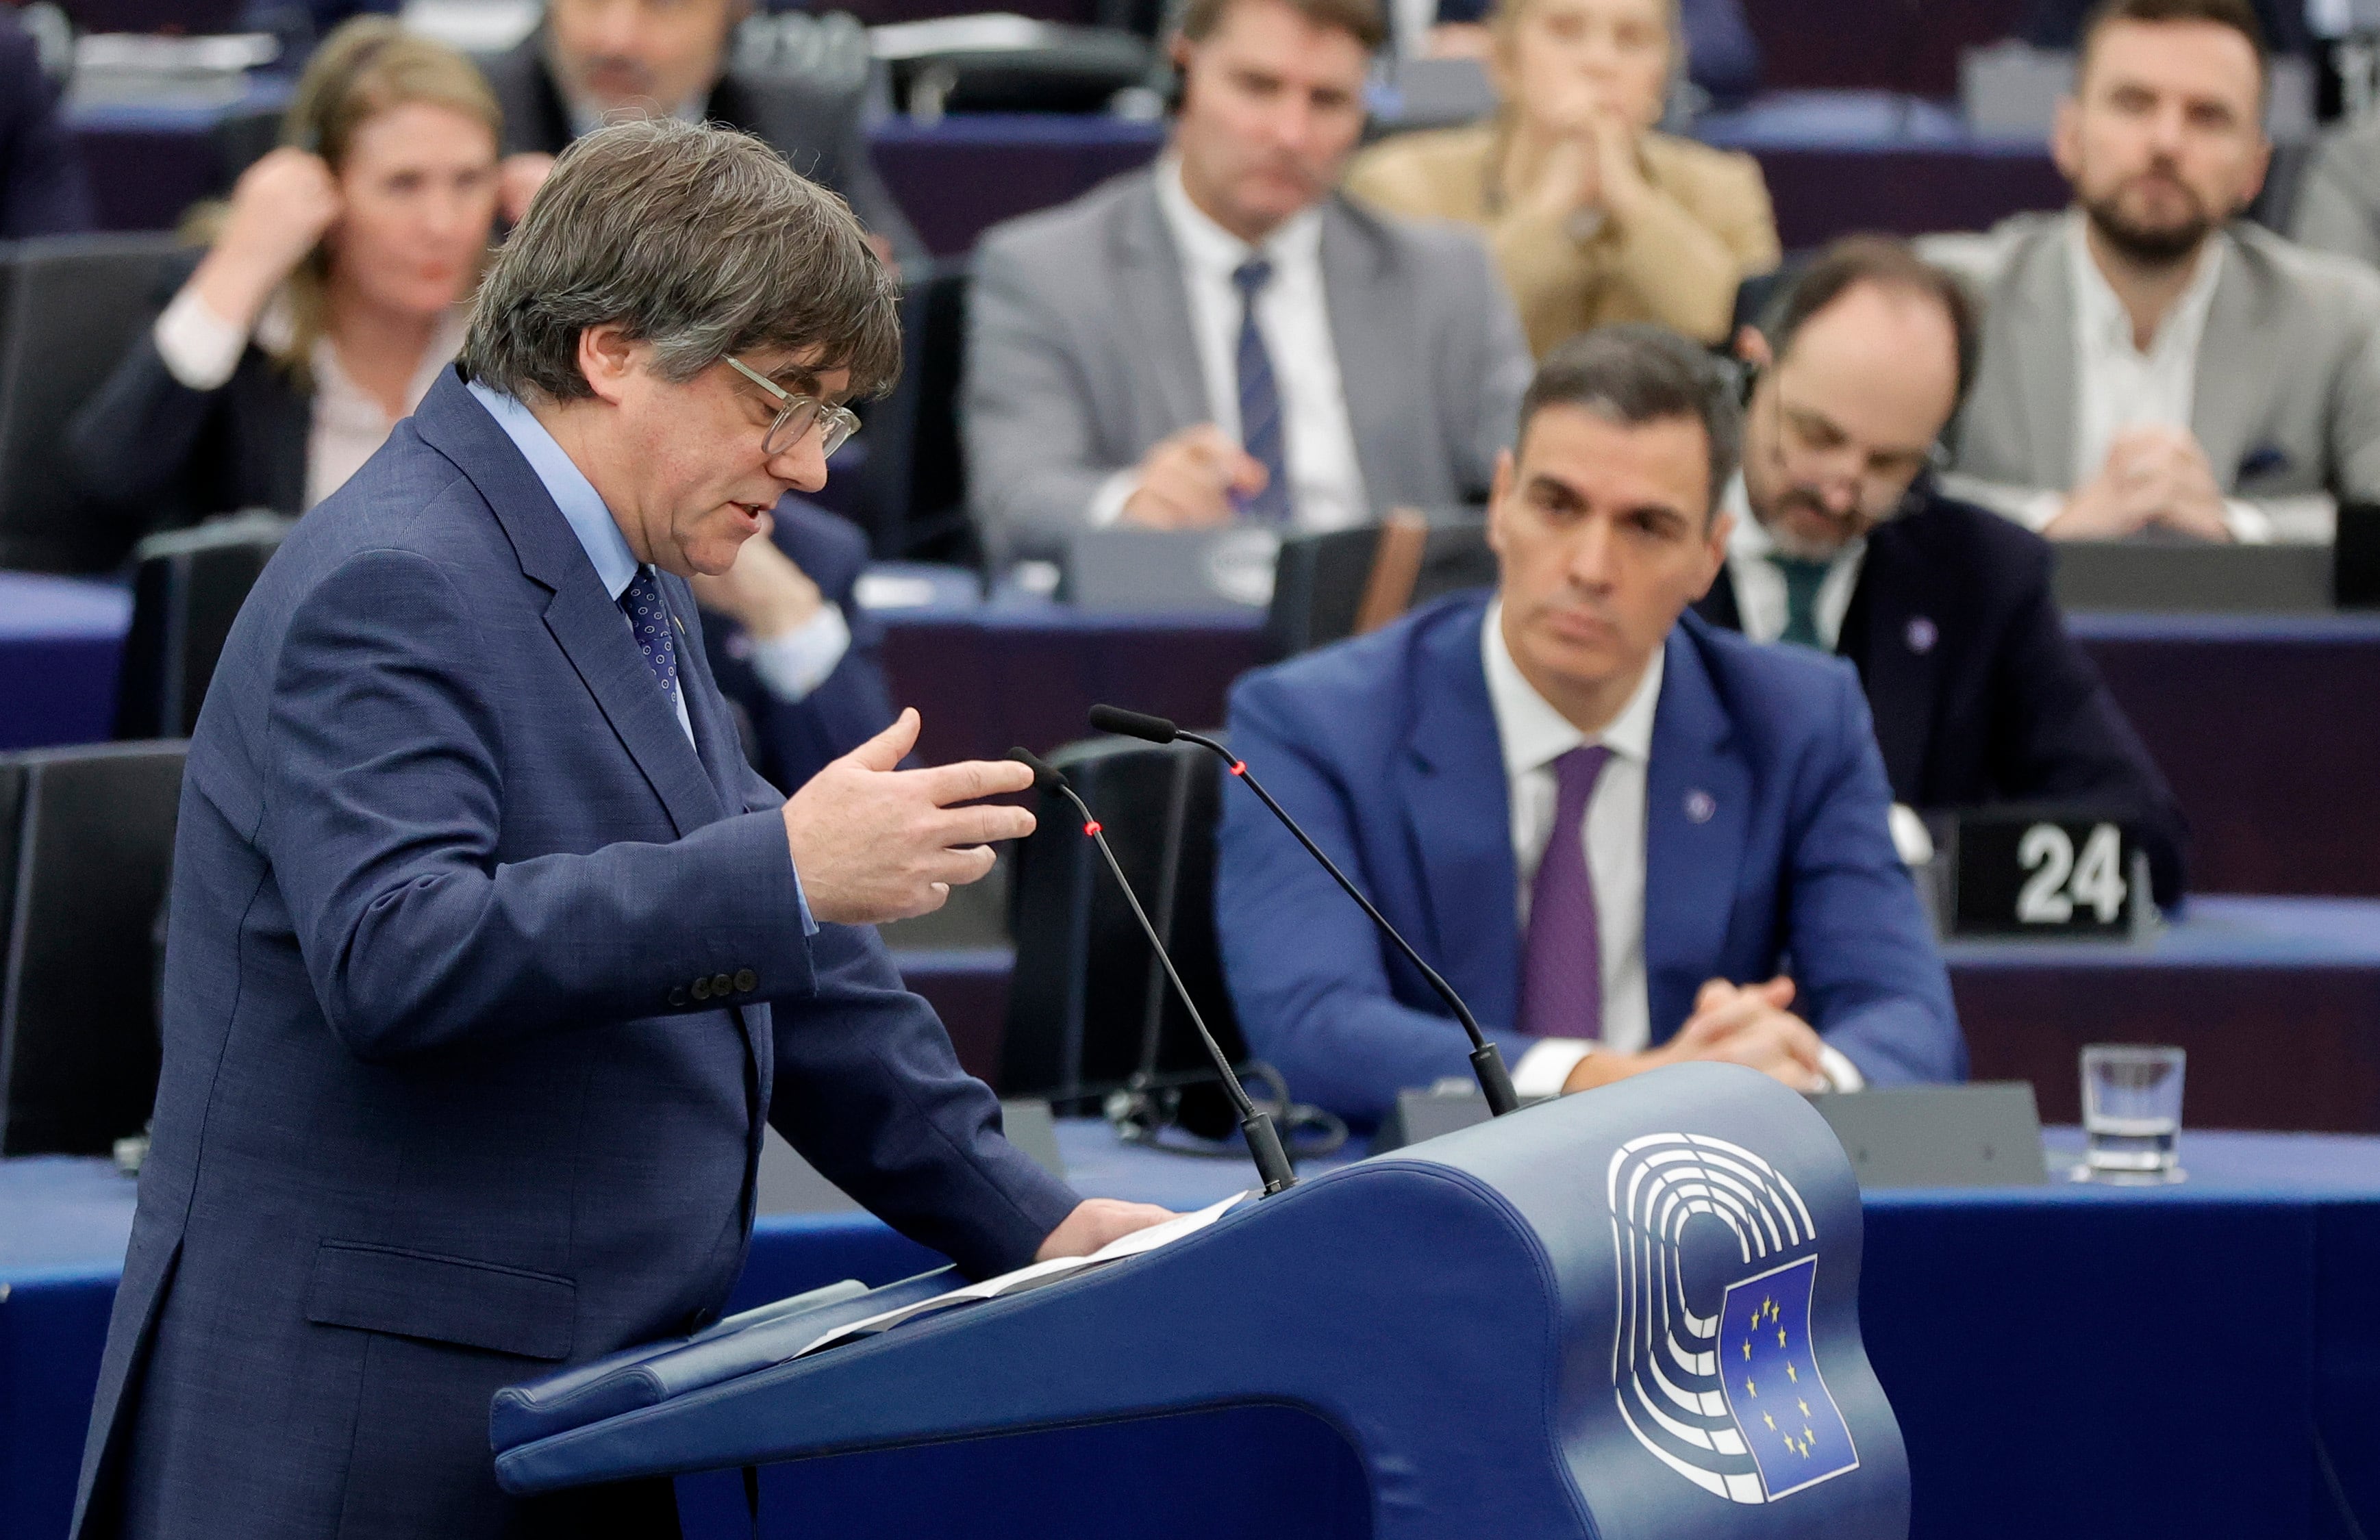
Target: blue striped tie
(1260,426)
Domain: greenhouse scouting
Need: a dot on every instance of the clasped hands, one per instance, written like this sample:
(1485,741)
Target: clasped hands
(1746,1024)
(2154,477)
(1594,166)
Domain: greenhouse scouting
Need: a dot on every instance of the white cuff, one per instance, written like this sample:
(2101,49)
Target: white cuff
(2039,511)
(1547,1064)
(2247,522)
(2299,518)
(201,348)
(1107,503)
(1841,1072)
(796,663)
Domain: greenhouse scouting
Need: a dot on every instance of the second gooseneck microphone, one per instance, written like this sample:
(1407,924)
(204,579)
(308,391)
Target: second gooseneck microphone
(1256,1125)
(1486,1059)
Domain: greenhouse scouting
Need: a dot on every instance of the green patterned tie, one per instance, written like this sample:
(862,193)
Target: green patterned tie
(1803,579)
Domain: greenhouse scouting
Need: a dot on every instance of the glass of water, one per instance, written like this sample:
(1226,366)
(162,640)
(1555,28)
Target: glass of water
(2132,1114)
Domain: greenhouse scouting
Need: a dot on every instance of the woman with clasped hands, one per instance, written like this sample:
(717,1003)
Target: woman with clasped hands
(1593,216)
(334,289)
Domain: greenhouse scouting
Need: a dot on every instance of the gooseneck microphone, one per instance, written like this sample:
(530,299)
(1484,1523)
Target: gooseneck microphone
(1256,1125)
(1486,1059)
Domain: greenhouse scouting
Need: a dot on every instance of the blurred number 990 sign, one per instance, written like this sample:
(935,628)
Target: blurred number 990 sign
(2036,876)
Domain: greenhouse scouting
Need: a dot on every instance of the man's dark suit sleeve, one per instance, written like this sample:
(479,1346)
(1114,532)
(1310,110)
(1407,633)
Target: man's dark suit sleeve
(870,1092)
(386,800)
(42,190)
(2058,734)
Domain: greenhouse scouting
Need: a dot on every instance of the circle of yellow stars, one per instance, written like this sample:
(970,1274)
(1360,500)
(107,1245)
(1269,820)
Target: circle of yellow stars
(1801,1445)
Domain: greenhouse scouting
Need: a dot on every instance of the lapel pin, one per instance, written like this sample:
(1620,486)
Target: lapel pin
(1922,636)
(1700,805)
(679,624)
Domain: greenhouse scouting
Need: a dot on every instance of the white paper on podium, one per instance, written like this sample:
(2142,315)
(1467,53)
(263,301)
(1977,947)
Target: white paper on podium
(1033,1276)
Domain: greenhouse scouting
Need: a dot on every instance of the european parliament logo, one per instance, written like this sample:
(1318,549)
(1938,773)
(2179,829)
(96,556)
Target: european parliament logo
(1712,1360)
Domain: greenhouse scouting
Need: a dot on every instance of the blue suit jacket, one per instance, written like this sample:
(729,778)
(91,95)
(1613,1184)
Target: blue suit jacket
(1385,747)
(479,986)
(793,740)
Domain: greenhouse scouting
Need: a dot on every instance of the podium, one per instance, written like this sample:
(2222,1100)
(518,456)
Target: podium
(1632,1313)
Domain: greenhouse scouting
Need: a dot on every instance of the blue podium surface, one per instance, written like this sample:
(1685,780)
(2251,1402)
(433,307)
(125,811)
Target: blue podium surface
(1628,1313)
(2066,1363)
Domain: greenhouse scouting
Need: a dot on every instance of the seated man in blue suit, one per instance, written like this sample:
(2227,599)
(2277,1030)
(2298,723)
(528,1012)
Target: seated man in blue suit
(794,652)
(490,957)
(1842,540)
(1625,838)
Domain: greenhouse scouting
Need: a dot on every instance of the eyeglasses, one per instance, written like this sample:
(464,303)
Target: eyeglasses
(796,415)
(1805,438)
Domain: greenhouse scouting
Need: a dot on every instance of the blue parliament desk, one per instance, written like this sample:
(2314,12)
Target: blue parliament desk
(149,160)
(1840,162)
(1836,161)
(2277,1000)
(60,640)
(2197,1361)
(2247,714)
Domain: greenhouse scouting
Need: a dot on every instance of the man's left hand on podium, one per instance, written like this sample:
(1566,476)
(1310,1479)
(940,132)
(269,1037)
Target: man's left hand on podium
(1097,1221)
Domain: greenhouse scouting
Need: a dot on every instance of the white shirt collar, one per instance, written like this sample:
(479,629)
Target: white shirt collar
(1532,734)
(590,518)
(2106,326)
(1207,247)
(1749,537)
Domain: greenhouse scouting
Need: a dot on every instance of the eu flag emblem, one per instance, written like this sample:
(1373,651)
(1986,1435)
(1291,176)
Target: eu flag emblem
(1771,1377)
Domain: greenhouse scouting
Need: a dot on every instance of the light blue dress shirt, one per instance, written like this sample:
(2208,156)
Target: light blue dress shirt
(597,530)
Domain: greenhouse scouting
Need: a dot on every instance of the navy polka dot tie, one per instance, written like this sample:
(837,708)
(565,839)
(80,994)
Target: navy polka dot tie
(649,620)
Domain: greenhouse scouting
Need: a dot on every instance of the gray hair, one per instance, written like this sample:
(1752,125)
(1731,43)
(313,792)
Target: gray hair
(700,241)
(1637,373)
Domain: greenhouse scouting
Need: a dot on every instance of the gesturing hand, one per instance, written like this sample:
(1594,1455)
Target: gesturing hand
(873,843)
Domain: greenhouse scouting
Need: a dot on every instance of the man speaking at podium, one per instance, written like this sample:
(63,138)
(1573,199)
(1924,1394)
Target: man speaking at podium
(490,957)
(1625,838)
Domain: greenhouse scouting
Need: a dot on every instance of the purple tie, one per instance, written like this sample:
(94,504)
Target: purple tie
(1562,962)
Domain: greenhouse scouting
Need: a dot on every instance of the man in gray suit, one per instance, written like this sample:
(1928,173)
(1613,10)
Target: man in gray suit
(2338,202)
(591,60)
(1225,336)
(2149,365)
